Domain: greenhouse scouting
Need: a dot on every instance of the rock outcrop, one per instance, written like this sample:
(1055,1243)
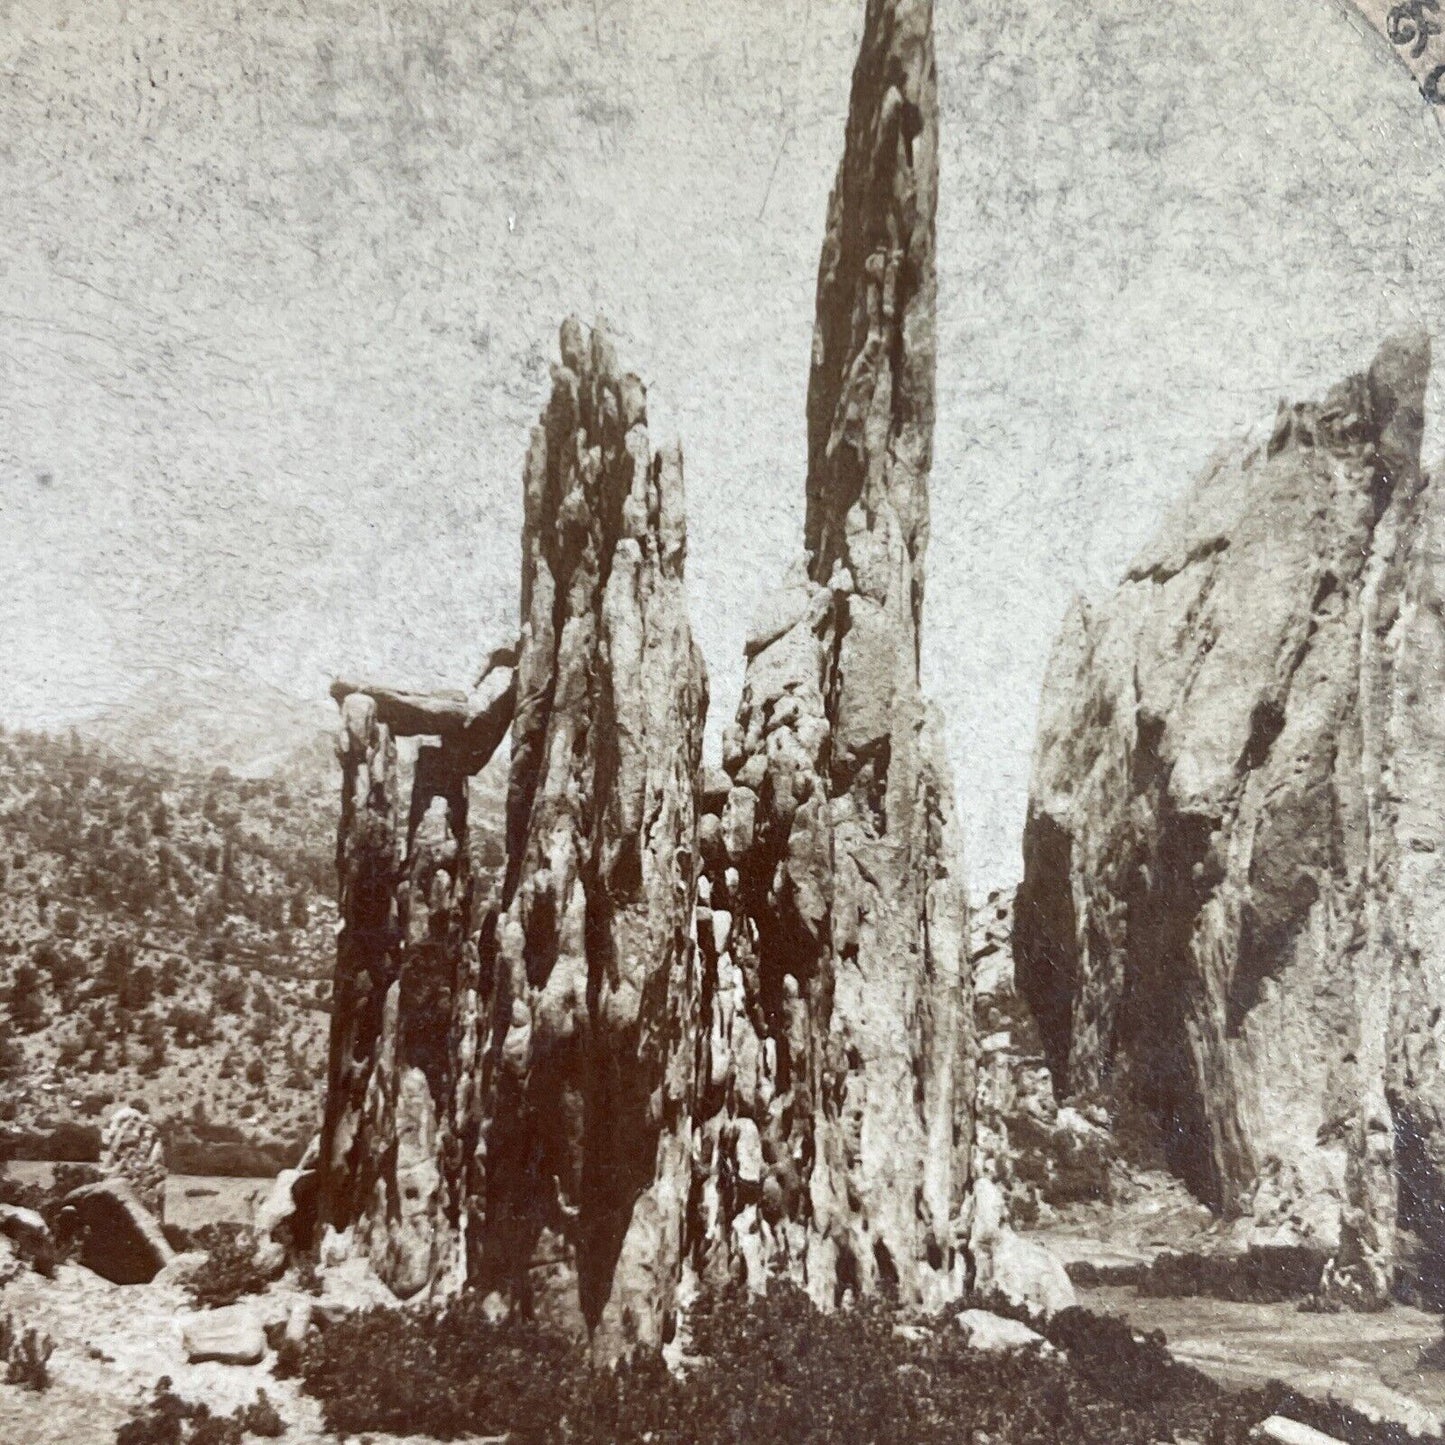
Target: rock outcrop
(714,1022)
(835,1094)
(1230,925)
(587,992)
(391,1175)
(131,1148)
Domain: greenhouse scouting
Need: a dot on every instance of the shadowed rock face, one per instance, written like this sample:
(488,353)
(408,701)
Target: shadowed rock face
(834,1110)
(1229,923)
(582,1115)
(390,1180)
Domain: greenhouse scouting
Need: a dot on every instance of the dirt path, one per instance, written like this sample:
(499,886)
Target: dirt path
(1369,1361)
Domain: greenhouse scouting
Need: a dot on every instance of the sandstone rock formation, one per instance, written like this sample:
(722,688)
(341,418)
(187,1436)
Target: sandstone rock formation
(587,989)
(835,1094)
(1230,921)
(131,1148)
(391,1172)
(716,1022)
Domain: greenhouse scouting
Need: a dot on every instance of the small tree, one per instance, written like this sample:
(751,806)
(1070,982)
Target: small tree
(230,993)
(153,1040)
(27,1011)
(119,955)
(139,988)
(169,978)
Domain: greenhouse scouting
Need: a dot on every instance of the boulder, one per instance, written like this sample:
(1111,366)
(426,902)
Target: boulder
(230,1336)
(1027,1273)
(25,1228)
(131,1148)
(181,1268)
(286,1217)
(988,1331)
(299,1320)
(1281,1430)
(118,1237)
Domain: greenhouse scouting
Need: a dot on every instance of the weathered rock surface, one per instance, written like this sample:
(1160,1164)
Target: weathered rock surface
(229,1336)
(836,1089)
(390,1175)
(587,989)
(131,1148)
(1230,925)
(119,1238)
(991,1332)
(717,1020)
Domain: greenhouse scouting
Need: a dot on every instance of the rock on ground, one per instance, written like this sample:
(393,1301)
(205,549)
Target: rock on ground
(24,1227)
(229,1336)
(1281,1430)
(987,1331)
(119,1238)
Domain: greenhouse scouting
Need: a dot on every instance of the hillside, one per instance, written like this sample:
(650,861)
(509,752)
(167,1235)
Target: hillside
(165,936)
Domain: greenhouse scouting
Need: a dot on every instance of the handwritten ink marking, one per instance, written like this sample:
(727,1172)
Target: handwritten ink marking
(1408,24)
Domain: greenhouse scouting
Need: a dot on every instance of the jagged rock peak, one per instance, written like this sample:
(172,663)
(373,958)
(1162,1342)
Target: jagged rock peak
(873,366)
(509,1092)
(1230,843)
(835,1096)
(587,987)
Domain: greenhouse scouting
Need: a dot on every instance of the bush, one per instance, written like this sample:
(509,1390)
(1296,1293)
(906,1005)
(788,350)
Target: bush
(230,1270)
(240,1160)
(1065,1168)
(166,1419)
(26,1355)
(1262,1275)
(1088,1275)
(776,1369)
(27,1011)
(79,1143)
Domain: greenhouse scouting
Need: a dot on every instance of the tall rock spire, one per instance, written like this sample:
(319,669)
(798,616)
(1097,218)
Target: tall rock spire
(583,1112)
(716,1023)
(835,1102)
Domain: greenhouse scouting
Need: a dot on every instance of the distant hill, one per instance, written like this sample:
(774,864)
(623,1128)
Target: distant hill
(217,719)
(167,936)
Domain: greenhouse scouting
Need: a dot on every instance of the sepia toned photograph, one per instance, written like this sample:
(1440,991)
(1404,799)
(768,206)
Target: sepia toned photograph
(722,721)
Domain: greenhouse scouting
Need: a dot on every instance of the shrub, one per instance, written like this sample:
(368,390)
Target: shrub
(191,1026)
(230,1270)
(27,1011)
(776,1369)
(166,1419)
(1261,1275)
(66,1139)
(26,1355)
(1088,1275)
(1065,1168)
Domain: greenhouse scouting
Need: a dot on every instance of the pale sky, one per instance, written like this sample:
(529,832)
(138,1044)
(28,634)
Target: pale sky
(279,284)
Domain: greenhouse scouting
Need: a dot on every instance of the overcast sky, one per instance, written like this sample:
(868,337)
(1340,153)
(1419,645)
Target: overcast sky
(279,284)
